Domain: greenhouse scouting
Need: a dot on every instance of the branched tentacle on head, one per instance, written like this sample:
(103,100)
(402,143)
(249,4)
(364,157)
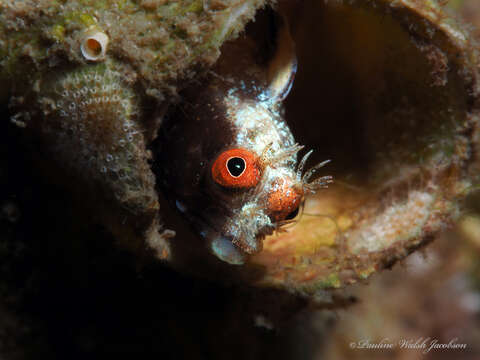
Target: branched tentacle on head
(274,159)
(309,187)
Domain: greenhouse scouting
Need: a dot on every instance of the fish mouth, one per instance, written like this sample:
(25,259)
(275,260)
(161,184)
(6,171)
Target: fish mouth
(235,240)
(236,251)
(224,249)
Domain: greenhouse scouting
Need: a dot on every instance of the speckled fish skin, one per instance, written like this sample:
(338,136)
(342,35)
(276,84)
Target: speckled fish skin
(232,108)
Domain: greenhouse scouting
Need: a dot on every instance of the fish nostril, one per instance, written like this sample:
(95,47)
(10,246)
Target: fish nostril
(292,215)
(284,202)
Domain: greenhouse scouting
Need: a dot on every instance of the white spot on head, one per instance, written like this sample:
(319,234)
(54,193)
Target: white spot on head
(258,124)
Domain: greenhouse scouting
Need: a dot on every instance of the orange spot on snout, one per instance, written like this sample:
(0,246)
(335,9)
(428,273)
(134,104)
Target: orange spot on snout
(283,201)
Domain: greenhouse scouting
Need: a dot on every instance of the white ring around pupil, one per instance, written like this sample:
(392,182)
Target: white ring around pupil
(244,164)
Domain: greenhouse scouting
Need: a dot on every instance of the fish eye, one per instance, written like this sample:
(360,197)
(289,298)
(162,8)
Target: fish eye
(236,168)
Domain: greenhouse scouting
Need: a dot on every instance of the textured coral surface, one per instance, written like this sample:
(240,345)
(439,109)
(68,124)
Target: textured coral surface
(162,40)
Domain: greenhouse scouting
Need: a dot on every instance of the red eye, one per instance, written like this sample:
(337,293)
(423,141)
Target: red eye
(236,168)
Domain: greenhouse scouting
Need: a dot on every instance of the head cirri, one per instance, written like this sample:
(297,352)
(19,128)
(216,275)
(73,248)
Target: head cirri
(234,173)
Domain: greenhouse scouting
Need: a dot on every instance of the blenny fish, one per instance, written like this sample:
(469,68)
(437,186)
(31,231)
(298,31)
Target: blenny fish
(235,175)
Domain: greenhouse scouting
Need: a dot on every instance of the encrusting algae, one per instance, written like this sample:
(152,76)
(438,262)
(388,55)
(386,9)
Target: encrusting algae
(386,89)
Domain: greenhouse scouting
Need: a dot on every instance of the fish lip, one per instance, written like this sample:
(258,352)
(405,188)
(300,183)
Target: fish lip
(224,249)
(231,249)
(228,250)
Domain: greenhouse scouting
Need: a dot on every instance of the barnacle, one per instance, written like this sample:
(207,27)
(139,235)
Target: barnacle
(94,44)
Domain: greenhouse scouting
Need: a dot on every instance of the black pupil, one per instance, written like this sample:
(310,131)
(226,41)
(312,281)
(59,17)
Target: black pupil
(236,166)
(292,215)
